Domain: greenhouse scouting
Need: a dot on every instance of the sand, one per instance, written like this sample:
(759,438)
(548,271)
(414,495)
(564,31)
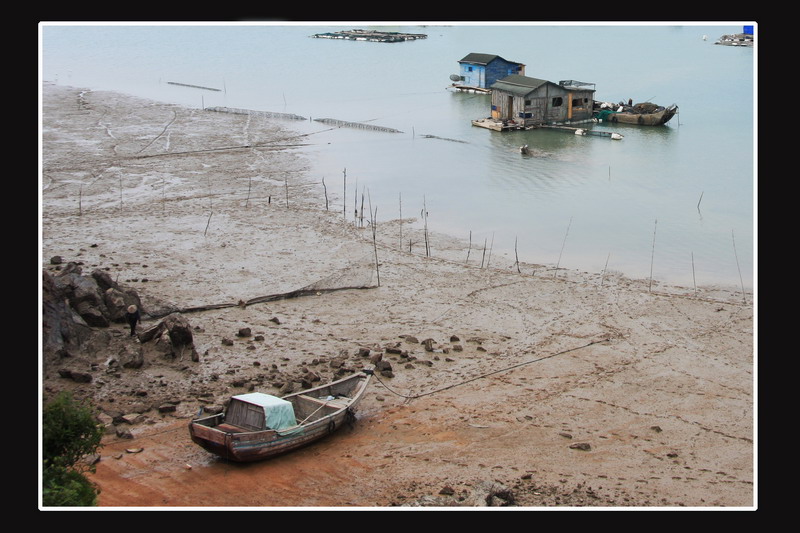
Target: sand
(567,388)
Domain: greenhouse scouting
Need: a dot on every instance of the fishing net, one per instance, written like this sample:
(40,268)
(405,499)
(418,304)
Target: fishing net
(361,274)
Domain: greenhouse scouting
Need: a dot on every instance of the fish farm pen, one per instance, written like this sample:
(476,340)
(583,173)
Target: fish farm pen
(371,35)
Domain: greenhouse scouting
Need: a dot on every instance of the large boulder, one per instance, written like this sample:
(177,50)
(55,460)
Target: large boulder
(175,329)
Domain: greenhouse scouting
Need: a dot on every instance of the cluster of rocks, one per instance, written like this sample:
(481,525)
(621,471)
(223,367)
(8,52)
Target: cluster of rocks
(77,308)
(479,494)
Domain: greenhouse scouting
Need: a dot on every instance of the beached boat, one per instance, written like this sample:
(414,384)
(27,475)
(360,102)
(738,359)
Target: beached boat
(256,426)
(646,114)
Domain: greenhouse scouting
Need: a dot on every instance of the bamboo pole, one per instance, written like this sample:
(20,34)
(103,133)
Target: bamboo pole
(401,219)
(605,269)
(652,254)
(425,218)
(374,223)
(558,264)
(744,295)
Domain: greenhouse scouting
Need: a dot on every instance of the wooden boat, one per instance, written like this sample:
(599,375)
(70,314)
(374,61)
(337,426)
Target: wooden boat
(256,426)
(645,114)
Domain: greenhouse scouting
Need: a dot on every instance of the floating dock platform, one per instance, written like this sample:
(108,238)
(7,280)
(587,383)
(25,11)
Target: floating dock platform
(371,35)
(510,125)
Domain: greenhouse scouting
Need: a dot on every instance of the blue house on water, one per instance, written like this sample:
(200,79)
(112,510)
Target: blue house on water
(481,71)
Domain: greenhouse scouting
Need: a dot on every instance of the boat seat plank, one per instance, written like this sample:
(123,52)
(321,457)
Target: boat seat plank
(230,428)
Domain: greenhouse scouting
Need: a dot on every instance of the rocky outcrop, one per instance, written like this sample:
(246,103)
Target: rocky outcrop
(96,298)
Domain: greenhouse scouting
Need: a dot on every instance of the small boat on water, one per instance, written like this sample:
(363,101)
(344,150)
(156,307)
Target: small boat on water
(644,114)
(256,426)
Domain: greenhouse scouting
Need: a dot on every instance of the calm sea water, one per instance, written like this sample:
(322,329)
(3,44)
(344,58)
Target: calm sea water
(677,201)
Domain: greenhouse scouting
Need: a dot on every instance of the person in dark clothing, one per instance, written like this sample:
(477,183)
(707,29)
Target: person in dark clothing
(133,318)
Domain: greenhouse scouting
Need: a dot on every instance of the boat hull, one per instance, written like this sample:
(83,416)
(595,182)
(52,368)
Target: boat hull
(212,434)
(657,118)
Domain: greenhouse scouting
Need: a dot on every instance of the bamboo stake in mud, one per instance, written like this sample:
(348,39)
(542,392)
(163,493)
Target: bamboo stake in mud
(555,272)
(466,261)
(694,279)
(286,187)
(80,200)
(652,254)
(605,269)
(249,188)
(516,255)
(326,192)
(401,220)
(374,223)
(344,194)
(208,222)
(491,247)
(484,252)
(744,295)
(425,218)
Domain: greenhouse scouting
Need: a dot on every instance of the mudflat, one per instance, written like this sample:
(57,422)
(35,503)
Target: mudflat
(510,384)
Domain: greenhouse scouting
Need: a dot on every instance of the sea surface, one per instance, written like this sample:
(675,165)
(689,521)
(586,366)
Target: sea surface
(675,204)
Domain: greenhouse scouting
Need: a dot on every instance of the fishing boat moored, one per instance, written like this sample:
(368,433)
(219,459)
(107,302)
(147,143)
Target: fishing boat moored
(644,114)
(256,426)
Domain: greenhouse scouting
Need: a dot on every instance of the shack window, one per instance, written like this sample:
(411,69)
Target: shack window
(578,102)
(527,102)
(558,101)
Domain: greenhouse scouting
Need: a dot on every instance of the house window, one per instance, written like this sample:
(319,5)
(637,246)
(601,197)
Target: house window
(558,101)
(527,102)
(469,69)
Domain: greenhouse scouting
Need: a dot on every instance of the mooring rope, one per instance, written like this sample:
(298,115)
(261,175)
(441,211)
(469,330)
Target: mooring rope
(487,374)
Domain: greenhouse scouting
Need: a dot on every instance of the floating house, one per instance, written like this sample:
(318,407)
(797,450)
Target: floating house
(521,102)
(481,71)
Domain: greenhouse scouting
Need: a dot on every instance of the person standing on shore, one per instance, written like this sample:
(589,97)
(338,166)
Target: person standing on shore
(133,317)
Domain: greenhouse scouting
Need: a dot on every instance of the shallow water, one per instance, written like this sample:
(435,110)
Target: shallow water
(677,201)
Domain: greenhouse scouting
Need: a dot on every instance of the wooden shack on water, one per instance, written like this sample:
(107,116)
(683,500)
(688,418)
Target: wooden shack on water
(481,71)
(522,102)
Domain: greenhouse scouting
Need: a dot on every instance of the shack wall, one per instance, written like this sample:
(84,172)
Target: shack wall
(473,75)
(483,76)
(547,104)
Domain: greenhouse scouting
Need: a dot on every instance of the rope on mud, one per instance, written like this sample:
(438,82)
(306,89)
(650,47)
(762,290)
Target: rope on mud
(487,374)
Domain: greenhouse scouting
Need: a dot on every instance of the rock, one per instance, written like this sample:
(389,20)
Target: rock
(490,494)
(447,491)
(227,342)
(131,357)
(393,348)
(244,332)
(428,343)
(167,408)
(584,446)
(74,375)
(275,319)
(132,418)
(56,260)
(411,339)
